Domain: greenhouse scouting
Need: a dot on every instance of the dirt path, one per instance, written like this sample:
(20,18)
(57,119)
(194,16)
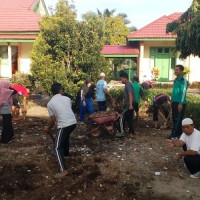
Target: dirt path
(103,168)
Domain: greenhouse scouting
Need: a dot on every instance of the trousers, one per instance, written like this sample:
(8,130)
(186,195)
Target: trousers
(127,117)
(177,118)
(62,145)
(88,107)
(7,132)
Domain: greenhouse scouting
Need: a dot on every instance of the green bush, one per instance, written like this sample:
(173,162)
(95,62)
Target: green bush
(118,96)
(192,108)
(159,85)
(22,79)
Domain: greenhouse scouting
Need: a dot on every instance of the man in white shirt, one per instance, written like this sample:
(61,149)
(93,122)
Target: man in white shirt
(101,88)
(60,111)
(191,139)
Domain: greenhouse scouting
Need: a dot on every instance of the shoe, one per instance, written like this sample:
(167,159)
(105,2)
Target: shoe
(120,134)
(196,175)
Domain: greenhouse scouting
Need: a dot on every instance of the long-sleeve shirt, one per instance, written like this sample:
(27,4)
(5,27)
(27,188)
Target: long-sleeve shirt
(180,90)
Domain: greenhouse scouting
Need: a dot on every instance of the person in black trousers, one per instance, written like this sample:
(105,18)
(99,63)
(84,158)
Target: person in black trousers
(161,107)
(190,140)
(61,113)
(178,101)
(128,106)
(6,101)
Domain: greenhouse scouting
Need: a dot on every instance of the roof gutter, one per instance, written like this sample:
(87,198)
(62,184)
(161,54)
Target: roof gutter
(151,39)
(120,56)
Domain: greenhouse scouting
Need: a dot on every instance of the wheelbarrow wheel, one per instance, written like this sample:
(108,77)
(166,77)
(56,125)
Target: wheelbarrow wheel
(95,130)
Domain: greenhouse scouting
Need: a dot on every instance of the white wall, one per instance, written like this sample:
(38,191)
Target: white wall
(145,61)
(25,61)
(193,62)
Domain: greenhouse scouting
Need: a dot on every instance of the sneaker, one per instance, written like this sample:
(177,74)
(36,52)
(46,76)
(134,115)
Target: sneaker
(196,175)
(120,134)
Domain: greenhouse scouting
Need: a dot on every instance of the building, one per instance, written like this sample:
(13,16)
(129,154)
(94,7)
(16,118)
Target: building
(18,30)
(154,48)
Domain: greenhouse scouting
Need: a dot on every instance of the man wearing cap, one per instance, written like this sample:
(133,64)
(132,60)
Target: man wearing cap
(101,88)
(191,154)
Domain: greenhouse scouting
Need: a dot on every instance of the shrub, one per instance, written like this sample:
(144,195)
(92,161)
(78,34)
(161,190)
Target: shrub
(22,79)
(192,108)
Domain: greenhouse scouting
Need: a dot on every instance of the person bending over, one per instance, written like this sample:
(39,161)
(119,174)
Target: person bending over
(60,111)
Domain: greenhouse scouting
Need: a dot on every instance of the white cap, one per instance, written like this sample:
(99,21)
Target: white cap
(102,74)
(187,121)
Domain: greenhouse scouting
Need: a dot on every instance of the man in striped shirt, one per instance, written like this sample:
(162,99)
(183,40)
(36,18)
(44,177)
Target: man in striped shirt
(178,101)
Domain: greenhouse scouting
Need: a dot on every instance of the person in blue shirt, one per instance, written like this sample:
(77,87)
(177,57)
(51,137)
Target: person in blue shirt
(101,89)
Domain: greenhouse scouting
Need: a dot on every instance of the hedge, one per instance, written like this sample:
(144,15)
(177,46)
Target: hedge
(192,108)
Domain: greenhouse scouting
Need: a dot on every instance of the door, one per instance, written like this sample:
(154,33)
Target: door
(162,62)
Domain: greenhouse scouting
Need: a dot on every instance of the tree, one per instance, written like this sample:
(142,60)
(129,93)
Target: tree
(66,50)
(115,30)
(187,28)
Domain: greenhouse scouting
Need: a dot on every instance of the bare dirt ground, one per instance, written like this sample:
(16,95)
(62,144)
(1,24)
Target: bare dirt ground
(103,168)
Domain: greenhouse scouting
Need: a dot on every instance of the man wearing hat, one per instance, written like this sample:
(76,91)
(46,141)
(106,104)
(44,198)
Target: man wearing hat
(191,154)
(101,88)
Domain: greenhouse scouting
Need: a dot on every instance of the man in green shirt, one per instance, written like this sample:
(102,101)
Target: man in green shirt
(138,92)
(178,101)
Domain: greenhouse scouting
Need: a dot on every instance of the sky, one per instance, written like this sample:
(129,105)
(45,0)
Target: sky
(139,12)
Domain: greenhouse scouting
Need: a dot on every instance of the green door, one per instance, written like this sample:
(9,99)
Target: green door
(162,62)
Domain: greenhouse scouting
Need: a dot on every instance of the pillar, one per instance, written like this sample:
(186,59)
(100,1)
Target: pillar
(141,61)
(9,70)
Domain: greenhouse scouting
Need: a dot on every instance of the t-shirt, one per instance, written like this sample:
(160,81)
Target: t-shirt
(20,90)
(192,141)
(137,90)
(60,107)
(128,88)
(101,84)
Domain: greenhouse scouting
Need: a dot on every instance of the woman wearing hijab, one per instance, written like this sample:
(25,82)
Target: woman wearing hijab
(6,101)
(87,96)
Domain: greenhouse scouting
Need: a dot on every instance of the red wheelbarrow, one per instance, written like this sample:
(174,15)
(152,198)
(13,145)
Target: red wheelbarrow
(105,120)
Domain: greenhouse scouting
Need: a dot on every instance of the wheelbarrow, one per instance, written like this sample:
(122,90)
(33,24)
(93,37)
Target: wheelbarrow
(105,120)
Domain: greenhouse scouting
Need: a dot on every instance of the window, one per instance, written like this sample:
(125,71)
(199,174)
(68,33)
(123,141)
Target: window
(166,50)
(159,50)
(4,52)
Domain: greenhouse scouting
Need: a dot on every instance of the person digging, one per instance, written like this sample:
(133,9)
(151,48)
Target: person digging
(161,107)
(60,111)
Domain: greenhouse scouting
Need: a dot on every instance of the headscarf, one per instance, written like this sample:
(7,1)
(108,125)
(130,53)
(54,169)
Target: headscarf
(5,92)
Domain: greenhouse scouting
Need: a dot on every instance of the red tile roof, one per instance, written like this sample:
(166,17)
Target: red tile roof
(17,15)
(119,50)
(156,29)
